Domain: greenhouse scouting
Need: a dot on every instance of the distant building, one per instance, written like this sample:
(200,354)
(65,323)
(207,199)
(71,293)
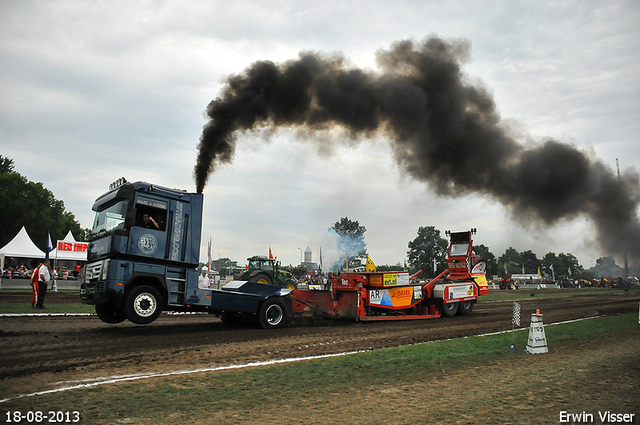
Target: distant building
(227,266)
(308,255)
(308,260)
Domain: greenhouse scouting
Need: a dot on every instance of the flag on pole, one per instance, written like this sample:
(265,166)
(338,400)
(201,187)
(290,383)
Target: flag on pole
(515,321)
(49,246)
(435,266)
(516,314)
(539,272)
(209,255)
(523,269)
(270,254)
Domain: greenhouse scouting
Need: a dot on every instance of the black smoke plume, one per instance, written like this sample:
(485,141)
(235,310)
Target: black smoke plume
(443,131)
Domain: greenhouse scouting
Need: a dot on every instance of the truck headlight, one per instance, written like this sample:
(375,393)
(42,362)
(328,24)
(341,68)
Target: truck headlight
(105,269)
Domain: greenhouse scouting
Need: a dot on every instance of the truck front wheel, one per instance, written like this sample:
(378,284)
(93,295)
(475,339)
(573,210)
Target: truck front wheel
(108,313)
(143,305)
(449,309)
(273,314)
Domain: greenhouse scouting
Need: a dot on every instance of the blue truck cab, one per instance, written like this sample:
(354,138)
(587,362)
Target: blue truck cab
(143,257)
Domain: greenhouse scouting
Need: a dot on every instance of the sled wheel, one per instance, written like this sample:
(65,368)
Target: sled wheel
(449,309)
(465,308)
(143,305)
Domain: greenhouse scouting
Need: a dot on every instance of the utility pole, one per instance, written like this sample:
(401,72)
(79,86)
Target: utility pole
(624,242)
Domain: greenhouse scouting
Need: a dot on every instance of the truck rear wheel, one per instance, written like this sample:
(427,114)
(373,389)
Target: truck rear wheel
(143,305)
(449,309)
(465,308)
(273,314)
(108,313)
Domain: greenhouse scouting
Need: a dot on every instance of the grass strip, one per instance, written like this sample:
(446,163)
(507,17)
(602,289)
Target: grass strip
(49,308)
(497,295)
(18,301)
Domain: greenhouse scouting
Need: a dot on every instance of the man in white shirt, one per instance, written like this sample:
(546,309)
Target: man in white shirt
(43,279)
(203,279)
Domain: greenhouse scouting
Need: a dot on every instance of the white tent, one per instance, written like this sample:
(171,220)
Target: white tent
(21,246)
(68,255)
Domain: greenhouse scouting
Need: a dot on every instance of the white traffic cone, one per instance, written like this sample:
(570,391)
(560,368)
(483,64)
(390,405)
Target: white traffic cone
(537,340)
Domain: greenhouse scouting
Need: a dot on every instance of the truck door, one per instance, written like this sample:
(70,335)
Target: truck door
(148,237)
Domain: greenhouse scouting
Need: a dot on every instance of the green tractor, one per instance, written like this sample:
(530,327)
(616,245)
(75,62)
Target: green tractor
(267,271)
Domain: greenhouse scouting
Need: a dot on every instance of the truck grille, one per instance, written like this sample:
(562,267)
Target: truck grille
(92,272)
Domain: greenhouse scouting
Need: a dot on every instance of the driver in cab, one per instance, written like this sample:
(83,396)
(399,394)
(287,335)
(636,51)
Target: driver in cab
(149,222)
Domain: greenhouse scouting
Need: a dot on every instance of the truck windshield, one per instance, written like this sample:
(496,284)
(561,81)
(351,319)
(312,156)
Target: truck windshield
(110,218)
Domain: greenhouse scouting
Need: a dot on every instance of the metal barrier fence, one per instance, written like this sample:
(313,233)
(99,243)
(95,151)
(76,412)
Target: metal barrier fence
(18,283)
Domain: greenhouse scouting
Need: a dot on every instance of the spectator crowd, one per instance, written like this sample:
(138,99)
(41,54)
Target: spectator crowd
(24,272)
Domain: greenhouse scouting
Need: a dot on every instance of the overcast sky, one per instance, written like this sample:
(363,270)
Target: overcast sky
(105,89)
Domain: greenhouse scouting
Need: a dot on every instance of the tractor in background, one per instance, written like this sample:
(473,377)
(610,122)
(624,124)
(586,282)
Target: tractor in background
(267,271)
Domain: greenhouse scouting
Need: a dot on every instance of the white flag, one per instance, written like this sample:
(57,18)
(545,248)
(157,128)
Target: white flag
(49,246)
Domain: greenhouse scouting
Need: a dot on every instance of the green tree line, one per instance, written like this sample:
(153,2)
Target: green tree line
(429,247)
(30,204)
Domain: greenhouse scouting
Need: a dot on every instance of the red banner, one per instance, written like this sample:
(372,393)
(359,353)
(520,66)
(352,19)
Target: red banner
(72,246)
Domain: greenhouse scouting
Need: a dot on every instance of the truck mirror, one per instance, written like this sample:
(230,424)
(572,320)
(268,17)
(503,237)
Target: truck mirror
(131,217)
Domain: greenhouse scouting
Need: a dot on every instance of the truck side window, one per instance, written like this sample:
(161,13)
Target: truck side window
(151,213)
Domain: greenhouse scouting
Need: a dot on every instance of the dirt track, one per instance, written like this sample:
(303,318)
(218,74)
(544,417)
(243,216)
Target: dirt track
(42,353)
